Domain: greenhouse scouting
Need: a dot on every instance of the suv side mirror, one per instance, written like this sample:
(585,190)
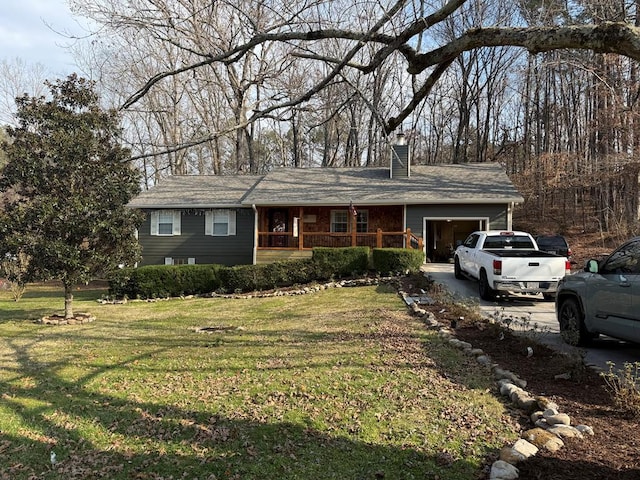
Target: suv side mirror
(591,266)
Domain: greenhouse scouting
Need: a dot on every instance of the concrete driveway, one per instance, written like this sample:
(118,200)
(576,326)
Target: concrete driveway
(534,310)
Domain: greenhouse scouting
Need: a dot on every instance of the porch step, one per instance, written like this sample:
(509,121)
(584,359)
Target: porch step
(270,256)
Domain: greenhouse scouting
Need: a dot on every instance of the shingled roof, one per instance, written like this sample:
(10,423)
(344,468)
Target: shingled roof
(445,184)
(197,191)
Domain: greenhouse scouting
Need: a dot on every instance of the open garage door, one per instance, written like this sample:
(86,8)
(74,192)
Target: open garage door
(442,236)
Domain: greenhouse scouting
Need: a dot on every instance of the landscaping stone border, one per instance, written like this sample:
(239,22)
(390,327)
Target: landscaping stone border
(549,425)
(77,319)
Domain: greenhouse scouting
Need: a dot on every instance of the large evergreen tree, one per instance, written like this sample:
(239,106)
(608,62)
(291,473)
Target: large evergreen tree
(65,188)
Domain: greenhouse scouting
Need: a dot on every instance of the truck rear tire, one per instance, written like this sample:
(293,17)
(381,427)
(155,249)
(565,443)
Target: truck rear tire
(457,271)
(571,321)
(485,291)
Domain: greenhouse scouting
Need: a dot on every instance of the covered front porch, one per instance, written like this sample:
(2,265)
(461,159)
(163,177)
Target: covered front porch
(292,232)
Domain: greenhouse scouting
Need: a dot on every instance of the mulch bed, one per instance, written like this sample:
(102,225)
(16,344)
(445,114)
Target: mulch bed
(612,453)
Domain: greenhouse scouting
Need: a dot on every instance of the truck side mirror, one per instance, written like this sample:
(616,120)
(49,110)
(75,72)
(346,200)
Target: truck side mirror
(591,266)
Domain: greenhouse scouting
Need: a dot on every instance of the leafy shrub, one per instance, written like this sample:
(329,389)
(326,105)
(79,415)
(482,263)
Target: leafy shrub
(153,281)
(246,278)
(14,267)
(391,260)
(341,262)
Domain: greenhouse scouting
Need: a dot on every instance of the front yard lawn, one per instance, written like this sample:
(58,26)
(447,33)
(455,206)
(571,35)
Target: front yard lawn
(338,384)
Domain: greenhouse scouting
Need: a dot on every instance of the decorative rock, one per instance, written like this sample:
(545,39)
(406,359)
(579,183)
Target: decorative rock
(535,416)
(565,431)
(542,423)
(550,412)
(78,319)
(507,389)
(543,439)
(501,470)
(559,419)
(585,430)
(499,373)
(444,333)
(483,360)
(520,451)
(477,352)
(545,403)
(524,401)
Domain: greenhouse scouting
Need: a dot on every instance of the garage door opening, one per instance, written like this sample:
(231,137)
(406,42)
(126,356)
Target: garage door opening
(443,236)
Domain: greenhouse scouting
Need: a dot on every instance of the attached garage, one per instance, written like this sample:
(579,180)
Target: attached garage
(444,227)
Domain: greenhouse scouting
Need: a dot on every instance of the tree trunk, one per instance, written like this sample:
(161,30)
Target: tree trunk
(68,301)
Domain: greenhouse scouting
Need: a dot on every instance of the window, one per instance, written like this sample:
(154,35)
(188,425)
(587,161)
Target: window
(165,222)
(624,260)
(471,240)
(179,261)
(220,222)
(362,221)
(341,221)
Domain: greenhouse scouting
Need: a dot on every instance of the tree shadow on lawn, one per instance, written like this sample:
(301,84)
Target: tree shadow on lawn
(150,440)
(29,315)
(23,310)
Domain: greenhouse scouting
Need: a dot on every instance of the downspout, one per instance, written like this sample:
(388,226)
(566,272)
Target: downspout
(255,233)
(404,224)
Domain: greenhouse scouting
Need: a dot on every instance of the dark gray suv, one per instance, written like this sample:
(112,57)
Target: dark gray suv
(604,298)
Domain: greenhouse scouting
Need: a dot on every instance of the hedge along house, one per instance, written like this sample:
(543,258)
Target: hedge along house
(284,214)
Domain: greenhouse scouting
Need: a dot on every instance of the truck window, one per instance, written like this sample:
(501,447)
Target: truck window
(471,240)
(501,242)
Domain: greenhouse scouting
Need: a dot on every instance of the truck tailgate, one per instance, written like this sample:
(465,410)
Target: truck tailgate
(534,269)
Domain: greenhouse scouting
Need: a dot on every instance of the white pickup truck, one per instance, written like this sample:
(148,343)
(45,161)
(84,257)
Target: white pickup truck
(504,261)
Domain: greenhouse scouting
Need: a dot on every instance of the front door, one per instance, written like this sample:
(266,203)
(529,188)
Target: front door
(278,222)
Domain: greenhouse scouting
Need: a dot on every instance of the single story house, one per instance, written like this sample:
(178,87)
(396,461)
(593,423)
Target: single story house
(248,219)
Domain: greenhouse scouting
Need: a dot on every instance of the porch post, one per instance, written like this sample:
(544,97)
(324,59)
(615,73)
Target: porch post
(379,238)
(354,236)
(301,229)
(407,240)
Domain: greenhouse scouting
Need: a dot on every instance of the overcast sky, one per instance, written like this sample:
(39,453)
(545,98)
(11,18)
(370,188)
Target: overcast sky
(28,31)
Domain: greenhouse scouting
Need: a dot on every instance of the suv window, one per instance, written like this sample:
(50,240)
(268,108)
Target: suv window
(558,242)
(624,260)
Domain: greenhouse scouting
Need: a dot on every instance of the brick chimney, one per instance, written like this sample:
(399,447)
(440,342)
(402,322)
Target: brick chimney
(400,166)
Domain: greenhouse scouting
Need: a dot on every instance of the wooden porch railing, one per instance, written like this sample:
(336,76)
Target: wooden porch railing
(309,240)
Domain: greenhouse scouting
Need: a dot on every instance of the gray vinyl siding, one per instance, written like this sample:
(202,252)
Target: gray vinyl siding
(496,213)
(193,243)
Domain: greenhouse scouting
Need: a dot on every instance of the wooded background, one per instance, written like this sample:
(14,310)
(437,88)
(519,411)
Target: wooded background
(564,123)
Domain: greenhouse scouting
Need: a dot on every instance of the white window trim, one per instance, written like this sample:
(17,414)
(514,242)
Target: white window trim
(155,221)
(363,213)
(231,222)
(333,220)
(349,224)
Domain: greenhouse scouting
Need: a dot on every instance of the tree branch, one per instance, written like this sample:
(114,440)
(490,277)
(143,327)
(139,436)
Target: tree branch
(607,37)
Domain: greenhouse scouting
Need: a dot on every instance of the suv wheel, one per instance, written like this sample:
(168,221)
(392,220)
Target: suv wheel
(571,320)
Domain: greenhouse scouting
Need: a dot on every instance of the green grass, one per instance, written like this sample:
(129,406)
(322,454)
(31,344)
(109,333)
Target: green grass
(339,384)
